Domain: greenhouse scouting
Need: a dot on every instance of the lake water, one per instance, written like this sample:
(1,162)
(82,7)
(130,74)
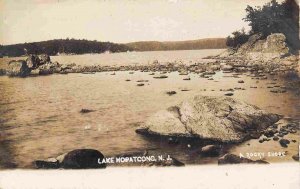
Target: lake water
(128,58)
(131,58)
(40,116)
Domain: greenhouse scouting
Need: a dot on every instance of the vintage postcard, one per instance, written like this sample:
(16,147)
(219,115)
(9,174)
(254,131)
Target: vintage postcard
(100,84)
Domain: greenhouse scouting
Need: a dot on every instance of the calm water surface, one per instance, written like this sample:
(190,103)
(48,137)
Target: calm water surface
(130,58)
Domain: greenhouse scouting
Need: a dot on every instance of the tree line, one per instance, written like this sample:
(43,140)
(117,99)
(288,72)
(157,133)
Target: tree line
(61,46)
(208,43)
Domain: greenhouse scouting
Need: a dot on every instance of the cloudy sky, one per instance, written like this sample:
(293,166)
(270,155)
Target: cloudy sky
(120,20)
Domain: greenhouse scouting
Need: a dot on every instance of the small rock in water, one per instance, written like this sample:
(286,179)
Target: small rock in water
(284,142)
(142,80)
(241,81)
(160,77)
(170,93)
(275,138)
(86,111)
(228,94)
(140,84)
(185,90)
(131,72)
(127,80)
(187,79)
(278,91)
(296,157)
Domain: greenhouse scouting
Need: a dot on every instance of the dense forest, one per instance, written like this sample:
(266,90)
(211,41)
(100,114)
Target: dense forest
(59,46)
(209,43)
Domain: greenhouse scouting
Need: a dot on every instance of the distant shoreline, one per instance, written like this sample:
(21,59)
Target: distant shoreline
(74,46)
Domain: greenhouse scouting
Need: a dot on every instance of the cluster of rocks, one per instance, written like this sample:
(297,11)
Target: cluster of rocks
(33,65)
(227,158)
(270,55)
(277,134)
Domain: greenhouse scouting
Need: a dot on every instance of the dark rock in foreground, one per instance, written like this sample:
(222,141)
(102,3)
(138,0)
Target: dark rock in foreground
(76,159)
(83,159)
(234,159)
(220,119)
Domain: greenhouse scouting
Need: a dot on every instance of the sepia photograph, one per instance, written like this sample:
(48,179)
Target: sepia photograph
(98,86)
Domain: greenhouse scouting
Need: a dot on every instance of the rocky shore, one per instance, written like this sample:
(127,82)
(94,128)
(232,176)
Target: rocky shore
(259,57)
(206,125)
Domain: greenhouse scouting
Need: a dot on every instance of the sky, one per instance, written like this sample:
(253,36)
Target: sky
(120,21)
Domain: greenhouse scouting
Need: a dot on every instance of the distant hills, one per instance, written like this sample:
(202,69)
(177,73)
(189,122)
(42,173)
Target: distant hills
(74,46)
(208,43)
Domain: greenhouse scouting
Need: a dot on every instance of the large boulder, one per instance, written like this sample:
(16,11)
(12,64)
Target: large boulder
(257,48)
(18,69)
(222,119)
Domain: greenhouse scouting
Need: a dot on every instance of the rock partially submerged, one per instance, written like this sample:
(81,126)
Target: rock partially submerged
(84,111)
(83,159)
(76,159)
(221,119)
(18,69)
